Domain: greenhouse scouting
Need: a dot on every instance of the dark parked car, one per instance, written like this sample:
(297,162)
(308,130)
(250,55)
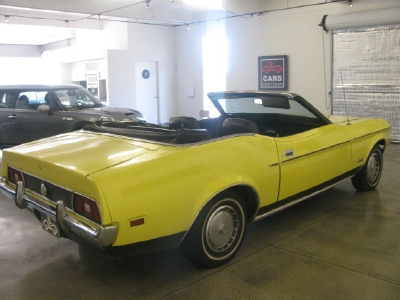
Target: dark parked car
(31,112)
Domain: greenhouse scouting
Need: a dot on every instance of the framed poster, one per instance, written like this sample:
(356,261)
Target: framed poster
(273,73)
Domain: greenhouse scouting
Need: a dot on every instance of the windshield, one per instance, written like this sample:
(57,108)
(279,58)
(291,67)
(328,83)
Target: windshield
(75,98)
(261,106)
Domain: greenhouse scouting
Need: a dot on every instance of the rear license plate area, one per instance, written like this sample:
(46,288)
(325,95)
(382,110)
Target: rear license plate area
(49,224)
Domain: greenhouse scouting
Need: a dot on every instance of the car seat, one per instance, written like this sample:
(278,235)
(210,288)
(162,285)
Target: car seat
(185,122)
(237,125)
(23,102)
(49,101)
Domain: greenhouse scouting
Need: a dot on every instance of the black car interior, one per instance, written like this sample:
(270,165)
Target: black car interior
(182,130)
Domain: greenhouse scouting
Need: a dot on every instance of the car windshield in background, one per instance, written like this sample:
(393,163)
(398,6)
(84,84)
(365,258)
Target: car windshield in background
(265,105)
(71,98)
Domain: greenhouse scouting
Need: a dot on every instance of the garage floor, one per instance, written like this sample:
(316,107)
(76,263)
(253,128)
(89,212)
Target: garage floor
(341,244)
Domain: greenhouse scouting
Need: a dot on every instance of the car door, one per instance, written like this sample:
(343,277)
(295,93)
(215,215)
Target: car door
(27,123)
(312,160)
(7,103)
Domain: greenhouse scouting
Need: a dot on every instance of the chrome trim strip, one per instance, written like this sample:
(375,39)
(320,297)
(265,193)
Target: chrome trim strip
(35,176)
(169,144)
(363,136)
(311,153)
(101,237)
(275,164)
(278,209)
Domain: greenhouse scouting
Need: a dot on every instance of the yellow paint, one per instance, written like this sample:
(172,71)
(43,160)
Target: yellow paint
(169,184)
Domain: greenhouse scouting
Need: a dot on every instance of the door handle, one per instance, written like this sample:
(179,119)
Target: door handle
(12,116)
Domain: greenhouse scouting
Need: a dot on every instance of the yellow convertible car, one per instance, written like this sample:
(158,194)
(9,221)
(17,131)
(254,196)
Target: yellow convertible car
(133,188)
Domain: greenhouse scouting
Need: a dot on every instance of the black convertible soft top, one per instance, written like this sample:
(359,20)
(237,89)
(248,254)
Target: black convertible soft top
(143,130)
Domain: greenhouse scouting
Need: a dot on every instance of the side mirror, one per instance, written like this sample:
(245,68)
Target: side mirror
(43,108)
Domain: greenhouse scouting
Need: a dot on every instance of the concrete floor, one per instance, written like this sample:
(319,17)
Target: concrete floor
(341,244)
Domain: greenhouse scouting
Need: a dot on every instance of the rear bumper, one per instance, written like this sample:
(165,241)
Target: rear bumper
(101,237)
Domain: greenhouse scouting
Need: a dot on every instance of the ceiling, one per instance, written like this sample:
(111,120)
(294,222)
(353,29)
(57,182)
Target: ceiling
(40,22)
(72,30)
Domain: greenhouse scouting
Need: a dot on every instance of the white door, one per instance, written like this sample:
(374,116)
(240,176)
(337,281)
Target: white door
(147,90)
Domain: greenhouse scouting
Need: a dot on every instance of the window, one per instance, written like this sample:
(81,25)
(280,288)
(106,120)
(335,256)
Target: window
(214,65)
(8,99)
(255,106)
(76,99)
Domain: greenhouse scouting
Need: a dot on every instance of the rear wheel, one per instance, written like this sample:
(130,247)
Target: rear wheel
(218,231)
(368,177)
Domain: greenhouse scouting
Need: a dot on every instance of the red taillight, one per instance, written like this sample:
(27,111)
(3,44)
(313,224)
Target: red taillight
(87,208)
(14,175)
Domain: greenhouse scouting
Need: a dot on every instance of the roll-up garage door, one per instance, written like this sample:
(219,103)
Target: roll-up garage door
(366,67)
(361,19)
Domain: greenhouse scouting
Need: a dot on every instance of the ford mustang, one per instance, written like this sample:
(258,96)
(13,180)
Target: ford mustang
(132,187)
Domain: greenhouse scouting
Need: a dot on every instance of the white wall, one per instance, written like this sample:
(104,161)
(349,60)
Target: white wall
(120,90)
(145,43)
(293,32)
(189,69)
(18,70)
(19,51)
(178,51)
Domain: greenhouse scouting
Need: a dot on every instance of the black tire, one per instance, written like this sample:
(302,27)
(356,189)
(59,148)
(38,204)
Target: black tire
(368,177)
(217,233)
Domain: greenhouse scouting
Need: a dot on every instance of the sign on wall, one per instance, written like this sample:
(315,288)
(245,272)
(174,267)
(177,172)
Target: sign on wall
(273,73)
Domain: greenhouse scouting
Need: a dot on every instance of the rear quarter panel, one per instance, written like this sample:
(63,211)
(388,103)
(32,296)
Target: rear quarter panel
(169,186)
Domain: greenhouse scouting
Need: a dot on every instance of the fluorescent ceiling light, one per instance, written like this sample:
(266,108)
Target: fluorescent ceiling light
(211,4)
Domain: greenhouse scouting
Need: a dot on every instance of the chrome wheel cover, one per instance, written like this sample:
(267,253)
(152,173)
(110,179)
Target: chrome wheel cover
(222,228)
(373,168)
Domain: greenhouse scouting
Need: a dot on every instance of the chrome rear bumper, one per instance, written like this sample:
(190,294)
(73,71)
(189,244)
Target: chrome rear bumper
(101,237)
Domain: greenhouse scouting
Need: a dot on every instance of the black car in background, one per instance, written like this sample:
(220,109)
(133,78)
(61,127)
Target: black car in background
(31,112)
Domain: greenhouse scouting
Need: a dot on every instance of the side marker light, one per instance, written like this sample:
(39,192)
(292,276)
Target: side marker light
(136,222)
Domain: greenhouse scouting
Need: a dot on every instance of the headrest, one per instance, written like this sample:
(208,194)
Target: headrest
(187,122)
(47,98)
(24,98)
(237,125)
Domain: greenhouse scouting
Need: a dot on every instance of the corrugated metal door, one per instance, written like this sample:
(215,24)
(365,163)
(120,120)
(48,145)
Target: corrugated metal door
(366,73)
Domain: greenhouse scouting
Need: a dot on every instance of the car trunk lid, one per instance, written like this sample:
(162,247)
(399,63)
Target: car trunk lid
(78,152)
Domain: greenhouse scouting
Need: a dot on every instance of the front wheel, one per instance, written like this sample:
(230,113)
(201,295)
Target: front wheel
(368,177)
(218,231)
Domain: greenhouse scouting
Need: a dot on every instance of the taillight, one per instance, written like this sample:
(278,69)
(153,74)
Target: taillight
(14,175)
(87,208)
